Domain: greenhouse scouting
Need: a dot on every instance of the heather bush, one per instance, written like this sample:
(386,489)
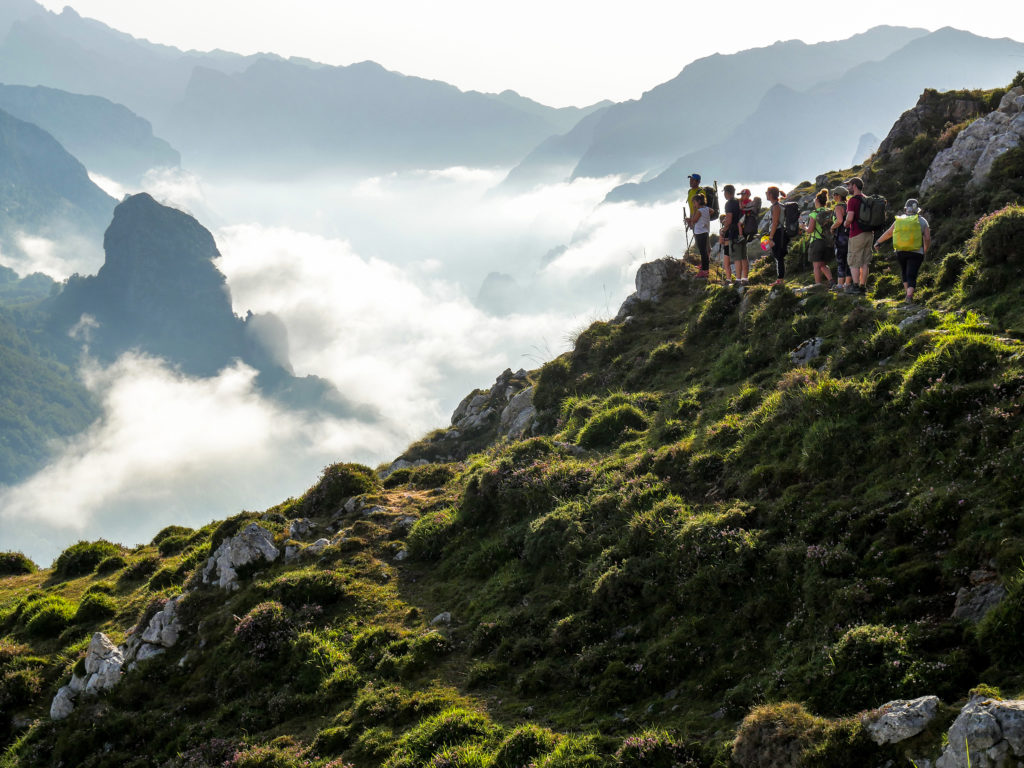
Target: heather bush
(83,557)
(265,631)
(338,482)
(95,606)
(15,564)
(523,745)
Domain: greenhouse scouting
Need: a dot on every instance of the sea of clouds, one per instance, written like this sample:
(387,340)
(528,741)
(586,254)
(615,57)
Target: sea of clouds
(377,281)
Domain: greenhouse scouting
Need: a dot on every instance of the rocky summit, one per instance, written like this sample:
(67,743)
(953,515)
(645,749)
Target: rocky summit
(735,526)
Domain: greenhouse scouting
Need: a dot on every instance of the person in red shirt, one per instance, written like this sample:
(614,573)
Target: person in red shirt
(859,251)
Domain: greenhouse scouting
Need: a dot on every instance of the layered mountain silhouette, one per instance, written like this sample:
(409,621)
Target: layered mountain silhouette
(262,113)
(108,138)
(287,117)
(793,131)
(45,190)
(159,292)
(694,108)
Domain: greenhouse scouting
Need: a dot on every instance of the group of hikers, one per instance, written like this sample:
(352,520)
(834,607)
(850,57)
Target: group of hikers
(845,225)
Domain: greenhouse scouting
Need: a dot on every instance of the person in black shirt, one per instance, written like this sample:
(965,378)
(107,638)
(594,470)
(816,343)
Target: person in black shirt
(734,247)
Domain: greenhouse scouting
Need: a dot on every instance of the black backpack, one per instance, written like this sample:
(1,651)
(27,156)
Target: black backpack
(791,219)
(749,221)
(711,198)
(871,215)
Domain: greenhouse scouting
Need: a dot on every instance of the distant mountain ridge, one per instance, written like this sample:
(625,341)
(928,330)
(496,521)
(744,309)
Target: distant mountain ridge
(106,137)
(645,135)
(261,113)
(799,131)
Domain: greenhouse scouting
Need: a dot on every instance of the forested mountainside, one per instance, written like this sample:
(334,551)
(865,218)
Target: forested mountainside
(731,525)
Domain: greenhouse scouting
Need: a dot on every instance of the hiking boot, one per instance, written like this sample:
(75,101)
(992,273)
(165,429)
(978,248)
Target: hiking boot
(851,290)
(703,273)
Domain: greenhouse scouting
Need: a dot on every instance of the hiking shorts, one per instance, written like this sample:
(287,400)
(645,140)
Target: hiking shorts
(738,251)
(818,251)
(859,254)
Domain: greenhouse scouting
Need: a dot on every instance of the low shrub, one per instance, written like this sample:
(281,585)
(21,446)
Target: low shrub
(997,237)
(142,568)
(654,749)
(16,564)
(111,564)
(169,532)
(48,616)
(95,606)
(454,726)
(523,745)
(429,534)
(338,482)
(265,631)
(311,586)
(83,557)
(573,752)
(611,425)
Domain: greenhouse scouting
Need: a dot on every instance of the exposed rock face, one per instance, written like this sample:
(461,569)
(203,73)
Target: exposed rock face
(250,546)
(931,110)
(301,529)
(992,731)
(807,351)
(984,594)
(650,281)
(978,146)
(901,719)
(105,662)
(483,416)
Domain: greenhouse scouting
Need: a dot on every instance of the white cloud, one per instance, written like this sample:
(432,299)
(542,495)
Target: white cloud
(55,258)
(170,449)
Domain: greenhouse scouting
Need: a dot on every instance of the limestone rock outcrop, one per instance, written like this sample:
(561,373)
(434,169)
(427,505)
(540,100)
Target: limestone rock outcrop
(981,143)
(650,282)
(901,719)
(990,731)
(984,594)
(105,662)
(252,545)
(483,416)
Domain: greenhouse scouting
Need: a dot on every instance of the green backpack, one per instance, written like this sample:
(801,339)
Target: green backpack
(872,213)
(823,220)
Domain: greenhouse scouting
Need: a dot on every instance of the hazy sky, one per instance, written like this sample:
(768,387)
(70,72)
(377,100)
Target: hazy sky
(559,52)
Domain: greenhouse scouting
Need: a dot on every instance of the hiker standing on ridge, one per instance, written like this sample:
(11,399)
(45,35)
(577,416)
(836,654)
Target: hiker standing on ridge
(818,222)
(691,193)
(733,245)
(911,238)
(859,254)
(840,240)
(700,223)
(777,233)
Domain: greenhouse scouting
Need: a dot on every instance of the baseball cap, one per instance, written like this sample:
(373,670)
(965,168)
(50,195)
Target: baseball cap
(694,176)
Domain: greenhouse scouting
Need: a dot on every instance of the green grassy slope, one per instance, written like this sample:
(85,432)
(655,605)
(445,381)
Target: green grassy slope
(710,556)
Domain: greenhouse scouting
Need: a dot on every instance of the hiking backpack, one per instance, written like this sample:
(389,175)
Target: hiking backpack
(871,215)
(711,198)
(790,216)
(823,219)
(906,234)
(748,222)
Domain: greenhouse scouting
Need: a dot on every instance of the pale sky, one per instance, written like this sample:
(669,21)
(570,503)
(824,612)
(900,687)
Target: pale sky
(559,52)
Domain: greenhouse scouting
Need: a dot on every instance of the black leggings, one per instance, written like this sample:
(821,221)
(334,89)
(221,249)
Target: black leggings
(910,264)
(779,247)
(702,248)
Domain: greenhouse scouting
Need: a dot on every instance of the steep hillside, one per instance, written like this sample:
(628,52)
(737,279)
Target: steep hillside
(740,520)
(108,138)
(43,189)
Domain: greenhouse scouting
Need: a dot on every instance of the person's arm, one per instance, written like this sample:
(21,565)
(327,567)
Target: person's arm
(775,220)
(927,238)
(812,223)
(885,235)
(849,216)
(838,222)
(728,218)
